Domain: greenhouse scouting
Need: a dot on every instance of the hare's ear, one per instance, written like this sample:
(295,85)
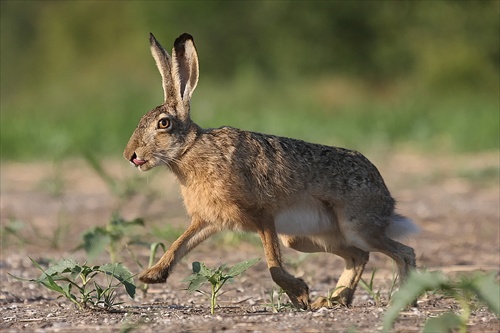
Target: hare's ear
(185,66)
(163,62)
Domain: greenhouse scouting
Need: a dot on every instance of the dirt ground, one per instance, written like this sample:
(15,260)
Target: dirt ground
(453,199)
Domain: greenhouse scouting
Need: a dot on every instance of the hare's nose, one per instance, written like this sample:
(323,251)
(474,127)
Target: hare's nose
(136,161)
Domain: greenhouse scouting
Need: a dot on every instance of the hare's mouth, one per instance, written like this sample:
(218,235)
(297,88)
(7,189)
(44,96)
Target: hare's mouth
(137,162)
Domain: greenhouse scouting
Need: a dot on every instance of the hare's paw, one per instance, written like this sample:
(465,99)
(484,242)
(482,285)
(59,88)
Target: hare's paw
(153,275)
(300,301)
(320,302)
(298,292)
(334,302)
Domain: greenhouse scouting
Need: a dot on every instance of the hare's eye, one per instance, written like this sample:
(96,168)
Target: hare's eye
(164,123)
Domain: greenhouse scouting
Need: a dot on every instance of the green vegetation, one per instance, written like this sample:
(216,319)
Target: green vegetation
(152,255)
(369,287)
(66,276)
(467,290)
(216,277)
(76,76)
(277,304)
(111,238)
(11,233)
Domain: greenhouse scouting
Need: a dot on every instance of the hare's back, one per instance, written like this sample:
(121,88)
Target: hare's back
(279,164)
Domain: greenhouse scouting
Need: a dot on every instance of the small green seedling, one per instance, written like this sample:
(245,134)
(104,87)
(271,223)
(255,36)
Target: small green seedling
(110,238)
(13,228)
(277,301)
(216,277)
(377,295)
(368,287)
(466,290)
(66,276)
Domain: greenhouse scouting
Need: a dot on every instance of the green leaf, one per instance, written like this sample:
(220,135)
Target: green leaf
(152,253)
(122,274)
(119,224)
(200,268)
(99,290)
(215,278)
(62,266)
(241,267)
(488,291)
(44,279)
(67,292)
(49,277)
(47,280)
(221,268)
(50,284)
(135,222)
(196,282)
(446,322)
(196,267)
(416,284)
(190,277)
(95,241)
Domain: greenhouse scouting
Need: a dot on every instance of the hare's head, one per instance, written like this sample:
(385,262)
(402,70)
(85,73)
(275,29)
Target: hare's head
(164,133)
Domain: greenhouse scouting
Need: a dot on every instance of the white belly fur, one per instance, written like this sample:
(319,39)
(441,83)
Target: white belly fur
(304,218)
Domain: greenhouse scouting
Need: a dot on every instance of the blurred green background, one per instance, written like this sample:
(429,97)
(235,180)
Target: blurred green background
(77,76)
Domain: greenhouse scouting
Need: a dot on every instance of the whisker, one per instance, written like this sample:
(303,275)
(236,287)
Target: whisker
(165,159)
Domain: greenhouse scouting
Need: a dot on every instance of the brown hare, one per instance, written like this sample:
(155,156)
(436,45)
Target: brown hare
(314,198)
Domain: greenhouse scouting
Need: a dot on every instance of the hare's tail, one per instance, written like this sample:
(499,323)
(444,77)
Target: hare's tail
(401,227)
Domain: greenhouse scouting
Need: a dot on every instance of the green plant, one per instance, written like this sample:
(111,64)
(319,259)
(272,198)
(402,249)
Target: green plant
(276,300)
(464,289)
(152,254)
(66,276)
(368,287)
(331,302)
(216,277)
(12,228)
(377,295)
(110,237)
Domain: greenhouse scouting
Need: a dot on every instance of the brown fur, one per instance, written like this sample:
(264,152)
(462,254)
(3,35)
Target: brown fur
(315,198)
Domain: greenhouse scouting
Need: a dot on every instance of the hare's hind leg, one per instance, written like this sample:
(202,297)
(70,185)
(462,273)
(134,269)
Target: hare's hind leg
(403,255)
(355,261)
(295,288)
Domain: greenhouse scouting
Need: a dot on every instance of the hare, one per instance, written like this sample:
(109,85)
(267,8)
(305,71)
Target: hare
(314,198)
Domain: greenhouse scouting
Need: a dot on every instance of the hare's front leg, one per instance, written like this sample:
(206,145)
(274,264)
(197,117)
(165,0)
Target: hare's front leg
(295,288)
(196,233)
